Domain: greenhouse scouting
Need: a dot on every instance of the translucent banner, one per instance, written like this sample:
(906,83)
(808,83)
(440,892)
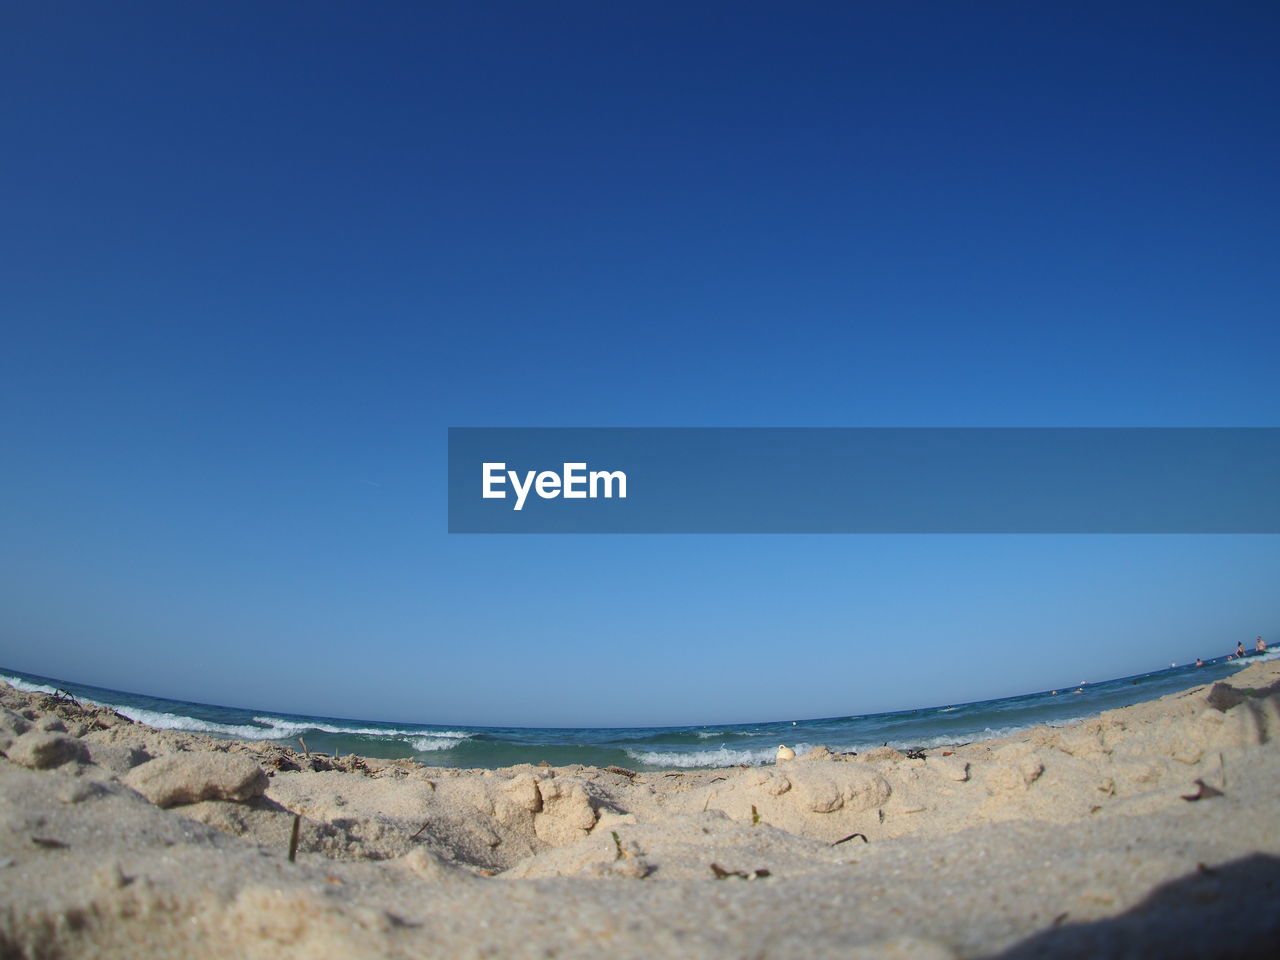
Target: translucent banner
(863,480)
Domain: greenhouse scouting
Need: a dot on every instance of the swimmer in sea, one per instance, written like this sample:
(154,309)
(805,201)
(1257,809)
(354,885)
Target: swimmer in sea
(1260,646)
(1199,662)
(1239,648)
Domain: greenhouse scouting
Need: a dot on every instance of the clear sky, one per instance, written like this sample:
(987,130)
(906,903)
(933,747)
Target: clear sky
(256,258)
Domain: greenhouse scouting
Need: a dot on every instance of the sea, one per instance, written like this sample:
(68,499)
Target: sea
(648,748)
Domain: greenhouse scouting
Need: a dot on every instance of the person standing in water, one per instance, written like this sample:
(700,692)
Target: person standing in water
(1260,646)
(1239,648)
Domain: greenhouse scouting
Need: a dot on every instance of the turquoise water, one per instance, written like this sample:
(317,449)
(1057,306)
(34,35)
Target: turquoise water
(645,748)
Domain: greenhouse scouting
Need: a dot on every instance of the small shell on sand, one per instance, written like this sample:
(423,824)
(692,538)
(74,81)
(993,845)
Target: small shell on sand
(785,753)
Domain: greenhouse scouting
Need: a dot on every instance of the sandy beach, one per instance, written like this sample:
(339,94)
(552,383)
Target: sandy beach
(1152,830)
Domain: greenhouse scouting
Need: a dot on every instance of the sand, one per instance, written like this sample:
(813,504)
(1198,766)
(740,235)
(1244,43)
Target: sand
(1148,831)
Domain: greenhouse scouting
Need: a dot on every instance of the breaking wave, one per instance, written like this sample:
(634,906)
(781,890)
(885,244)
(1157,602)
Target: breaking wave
(434,743)
(724,757)
(276,728)
(173,721)
(19,684)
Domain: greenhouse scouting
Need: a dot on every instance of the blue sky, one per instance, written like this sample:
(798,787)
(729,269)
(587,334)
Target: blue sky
(254,262)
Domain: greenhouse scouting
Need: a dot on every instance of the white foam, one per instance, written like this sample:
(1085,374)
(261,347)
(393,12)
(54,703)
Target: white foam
(19,684)
(174,721)
(432,744)
(948,739)
(724,757)
(1272,653)
(276,728)
(290,728)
